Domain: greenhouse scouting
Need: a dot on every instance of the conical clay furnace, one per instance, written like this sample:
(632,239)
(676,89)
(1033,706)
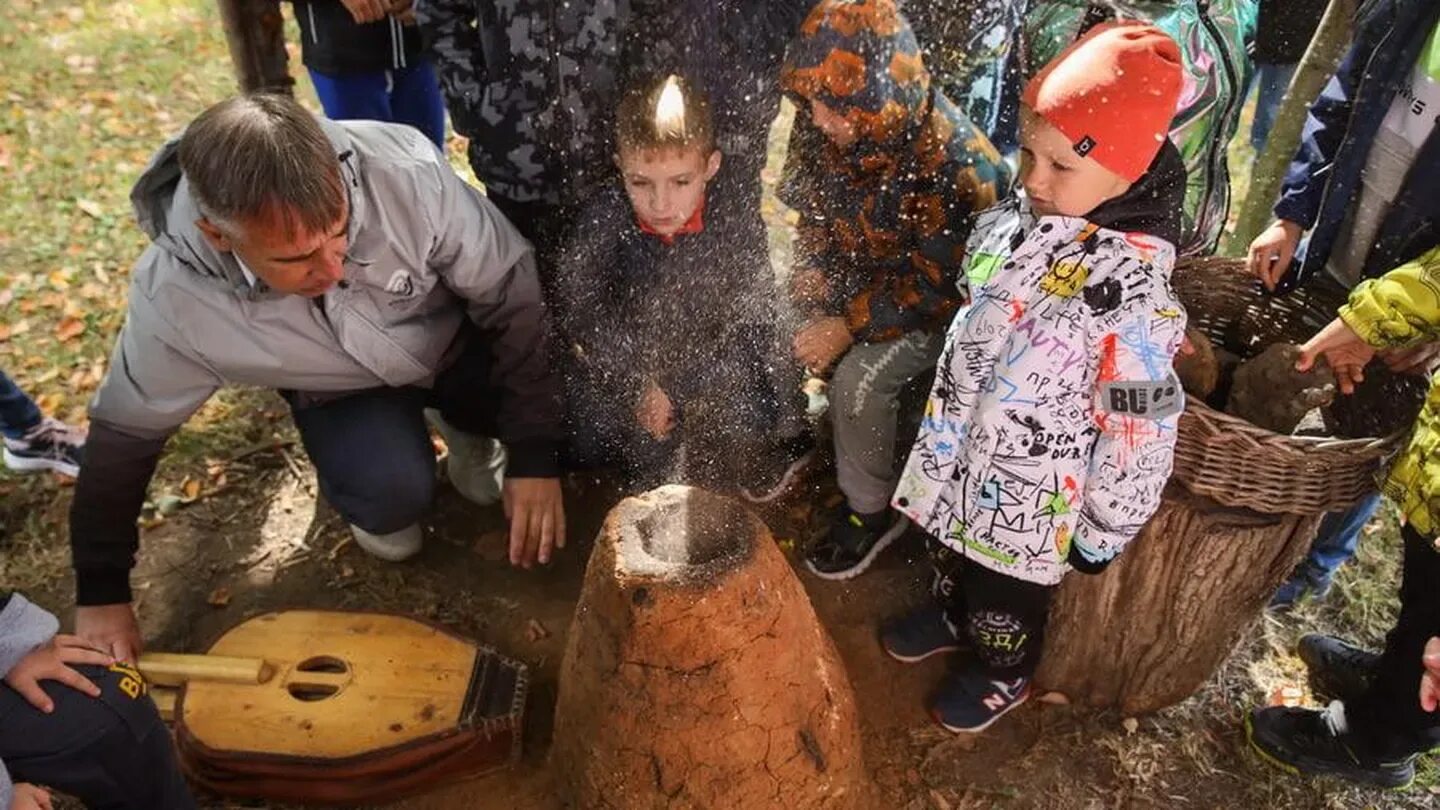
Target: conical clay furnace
(697,674)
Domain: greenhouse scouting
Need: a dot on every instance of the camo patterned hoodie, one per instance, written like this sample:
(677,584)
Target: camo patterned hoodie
(887,217)
(1050,430)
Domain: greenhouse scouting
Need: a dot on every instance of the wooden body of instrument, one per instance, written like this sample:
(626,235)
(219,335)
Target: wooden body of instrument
(340,707)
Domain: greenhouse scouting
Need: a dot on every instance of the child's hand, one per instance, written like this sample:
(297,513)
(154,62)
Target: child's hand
(808,288)
(821,342)
(655,412)
(30,797)
(1346,353)
(52,663)
(1430,680)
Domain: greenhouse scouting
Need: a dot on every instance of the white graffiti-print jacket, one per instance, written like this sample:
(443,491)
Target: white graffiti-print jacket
(1049,433)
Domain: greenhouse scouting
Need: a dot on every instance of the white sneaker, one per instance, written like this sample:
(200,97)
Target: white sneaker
(393,547)
(476,464)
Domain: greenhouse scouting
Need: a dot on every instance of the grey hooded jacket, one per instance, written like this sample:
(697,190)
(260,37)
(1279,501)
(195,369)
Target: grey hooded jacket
(425,250)
(23,627)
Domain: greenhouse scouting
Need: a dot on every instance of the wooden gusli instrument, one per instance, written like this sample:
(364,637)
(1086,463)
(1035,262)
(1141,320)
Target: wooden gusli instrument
(339,707)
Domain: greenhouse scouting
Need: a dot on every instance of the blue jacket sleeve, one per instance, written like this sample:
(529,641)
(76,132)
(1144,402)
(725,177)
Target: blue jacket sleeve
(1320,140)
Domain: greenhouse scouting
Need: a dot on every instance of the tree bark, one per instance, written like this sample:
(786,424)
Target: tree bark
(1318,65)
(1157,623)
(255,32)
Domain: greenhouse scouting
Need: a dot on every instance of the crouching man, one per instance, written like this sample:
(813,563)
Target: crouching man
(348,267)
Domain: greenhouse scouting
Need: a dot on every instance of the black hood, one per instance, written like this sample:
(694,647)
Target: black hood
(1154,204)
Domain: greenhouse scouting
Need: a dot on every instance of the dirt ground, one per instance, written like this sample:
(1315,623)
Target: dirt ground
(262,541)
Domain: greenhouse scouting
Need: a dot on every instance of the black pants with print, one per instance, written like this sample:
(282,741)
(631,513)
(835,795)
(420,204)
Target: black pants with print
(112,752)
(1002,617)
(1388,716)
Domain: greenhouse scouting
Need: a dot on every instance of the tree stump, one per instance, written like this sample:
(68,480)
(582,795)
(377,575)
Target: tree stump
(1158,622)
(697,675)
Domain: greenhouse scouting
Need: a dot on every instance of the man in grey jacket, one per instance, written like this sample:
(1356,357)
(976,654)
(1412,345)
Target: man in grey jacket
(348,267)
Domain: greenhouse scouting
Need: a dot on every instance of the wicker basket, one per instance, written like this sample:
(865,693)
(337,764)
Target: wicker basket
(1232,461)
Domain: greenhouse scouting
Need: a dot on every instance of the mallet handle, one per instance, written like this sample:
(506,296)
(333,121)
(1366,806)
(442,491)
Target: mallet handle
(168,669)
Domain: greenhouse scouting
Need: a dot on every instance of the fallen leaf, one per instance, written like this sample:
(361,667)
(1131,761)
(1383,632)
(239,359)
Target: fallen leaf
(70,328)
(189,490)
(1131,725)
(220,597)
(535,631)
(90,207)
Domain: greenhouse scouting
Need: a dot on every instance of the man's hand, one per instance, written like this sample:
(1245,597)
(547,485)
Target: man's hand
(110,629)
(1272,251)
(1430,680)
(821,342)
(367,11)
(1346,353)
(52,663)
(536,511)
(655,412)
(30,797)
(1419,359)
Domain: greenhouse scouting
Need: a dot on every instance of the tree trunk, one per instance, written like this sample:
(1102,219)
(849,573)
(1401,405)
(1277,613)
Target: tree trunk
(1156,625)
(697,675)
(1319,64)
(255,31)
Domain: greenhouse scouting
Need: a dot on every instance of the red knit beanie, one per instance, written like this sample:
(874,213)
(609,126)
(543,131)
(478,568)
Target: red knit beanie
(1113,93)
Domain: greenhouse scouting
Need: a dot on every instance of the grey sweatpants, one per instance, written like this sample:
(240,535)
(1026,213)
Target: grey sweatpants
(864,406)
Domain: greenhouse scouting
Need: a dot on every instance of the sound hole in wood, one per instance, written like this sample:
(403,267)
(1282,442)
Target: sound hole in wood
(319,665)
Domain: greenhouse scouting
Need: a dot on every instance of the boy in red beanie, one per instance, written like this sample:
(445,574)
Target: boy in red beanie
(1049,431)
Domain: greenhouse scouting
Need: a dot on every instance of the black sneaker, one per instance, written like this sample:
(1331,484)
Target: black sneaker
(1317,742)
(919,634)
(774,476)
(1338,669)
(853,542)
(51,445)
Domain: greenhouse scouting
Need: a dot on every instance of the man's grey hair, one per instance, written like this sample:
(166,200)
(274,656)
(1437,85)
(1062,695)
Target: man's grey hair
(262,155)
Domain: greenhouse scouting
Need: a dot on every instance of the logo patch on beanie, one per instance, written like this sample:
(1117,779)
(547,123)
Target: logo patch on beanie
(1084,146)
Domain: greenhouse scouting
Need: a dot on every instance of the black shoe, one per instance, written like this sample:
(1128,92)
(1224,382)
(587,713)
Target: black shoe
(1338,669)
(790,458)
(853,543)
(1316,742)
(51,445)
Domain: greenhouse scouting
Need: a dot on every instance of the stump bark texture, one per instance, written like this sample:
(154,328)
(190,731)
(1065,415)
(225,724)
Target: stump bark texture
(697,675)
(1152,628)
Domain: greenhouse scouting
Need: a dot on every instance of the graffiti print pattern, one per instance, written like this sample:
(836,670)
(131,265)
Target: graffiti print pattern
(1053,414)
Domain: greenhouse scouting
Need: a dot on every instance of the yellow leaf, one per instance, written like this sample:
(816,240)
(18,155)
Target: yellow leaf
(190,489)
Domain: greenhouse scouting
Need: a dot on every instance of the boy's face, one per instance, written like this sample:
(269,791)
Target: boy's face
(1057,180)
(666,186)
(840,131)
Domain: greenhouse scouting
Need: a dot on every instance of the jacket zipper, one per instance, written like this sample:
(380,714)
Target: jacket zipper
(314,31)
(562,121)
(1212,166)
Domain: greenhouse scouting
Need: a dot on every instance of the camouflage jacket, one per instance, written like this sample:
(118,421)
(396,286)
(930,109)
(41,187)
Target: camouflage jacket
(532,84)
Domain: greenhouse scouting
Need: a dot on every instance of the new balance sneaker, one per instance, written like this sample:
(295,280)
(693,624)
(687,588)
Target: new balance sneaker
(853,543)
(51,445)
(1337,669)
(969,701)
(475,465)
(1318,742)
(775,475)
(393,547)
(919,634)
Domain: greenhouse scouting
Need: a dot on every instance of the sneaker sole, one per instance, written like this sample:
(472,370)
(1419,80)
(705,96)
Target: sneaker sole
(901,523)
(988,723)
(22,464)
(1319,770)
(915,659)
(786,481)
